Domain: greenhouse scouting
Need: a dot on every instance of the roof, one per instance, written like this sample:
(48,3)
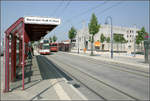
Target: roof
(35,27)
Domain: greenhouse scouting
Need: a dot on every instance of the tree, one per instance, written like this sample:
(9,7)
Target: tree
(140,36)
(54,38)
(72,34)
(118,38)
(93,29)
(102,39)
(108,39)
(50,39)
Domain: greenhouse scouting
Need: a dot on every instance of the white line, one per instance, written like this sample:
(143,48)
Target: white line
(59,90)
(79,93)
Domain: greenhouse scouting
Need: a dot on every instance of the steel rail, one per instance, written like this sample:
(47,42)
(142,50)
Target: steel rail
(122,69)
(100,81)
(78,81)
(145,74)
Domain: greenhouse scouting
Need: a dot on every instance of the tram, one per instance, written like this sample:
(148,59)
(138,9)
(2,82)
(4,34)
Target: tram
(44,48)
(54,47)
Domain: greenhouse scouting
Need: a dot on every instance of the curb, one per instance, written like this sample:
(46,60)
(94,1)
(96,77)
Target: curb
(113,61)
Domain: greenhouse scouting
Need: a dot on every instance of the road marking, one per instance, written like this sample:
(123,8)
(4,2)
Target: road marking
(59,90)
(79,93)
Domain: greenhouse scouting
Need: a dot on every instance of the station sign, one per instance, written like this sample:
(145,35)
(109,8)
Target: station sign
(41,20)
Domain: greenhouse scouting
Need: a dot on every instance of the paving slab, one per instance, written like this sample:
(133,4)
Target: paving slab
(51,87)
(133,61)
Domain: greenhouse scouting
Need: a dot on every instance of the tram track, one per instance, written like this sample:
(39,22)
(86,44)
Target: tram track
(139,73)
(117,67)
(75,79)
(93,79)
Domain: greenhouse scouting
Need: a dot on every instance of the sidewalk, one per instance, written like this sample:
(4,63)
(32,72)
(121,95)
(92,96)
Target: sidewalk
(122,58)
(41,83)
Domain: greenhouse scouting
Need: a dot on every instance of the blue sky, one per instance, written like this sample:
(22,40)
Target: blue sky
(73,13)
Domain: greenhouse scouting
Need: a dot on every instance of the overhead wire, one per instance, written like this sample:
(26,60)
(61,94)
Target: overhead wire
(82,13)
(101,12)
(115,5)
(55,11)
(68,3)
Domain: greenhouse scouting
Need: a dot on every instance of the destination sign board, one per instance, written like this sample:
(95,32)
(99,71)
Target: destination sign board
(41,20)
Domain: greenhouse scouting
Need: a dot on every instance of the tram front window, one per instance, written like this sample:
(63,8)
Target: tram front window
(46,41)
(45,47)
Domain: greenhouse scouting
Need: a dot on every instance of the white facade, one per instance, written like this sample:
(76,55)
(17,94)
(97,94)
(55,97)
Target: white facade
(82,38)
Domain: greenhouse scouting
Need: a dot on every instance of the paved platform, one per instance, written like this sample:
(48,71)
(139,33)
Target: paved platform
(42,82)
(137,61)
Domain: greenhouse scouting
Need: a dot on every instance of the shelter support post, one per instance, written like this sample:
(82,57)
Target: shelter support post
(15,57)
(6,89)
(20,49)
(15,42)
(23,55)
(12,58)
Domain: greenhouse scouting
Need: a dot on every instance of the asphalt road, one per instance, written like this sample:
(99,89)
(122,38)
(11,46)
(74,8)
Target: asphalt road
(108,80)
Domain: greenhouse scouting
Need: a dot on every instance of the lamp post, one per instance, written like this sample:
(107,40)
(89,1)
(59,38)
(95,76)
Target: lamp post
(111,34)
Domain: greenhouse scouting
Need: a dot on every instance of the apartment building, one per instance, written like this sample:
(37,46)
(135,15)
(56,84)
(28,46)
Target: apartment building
(129,33)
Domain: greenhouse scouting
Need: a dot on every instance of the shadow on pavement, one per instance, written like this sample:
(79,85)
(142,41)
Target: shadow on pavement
(48,70)
(28,72)
(38,95)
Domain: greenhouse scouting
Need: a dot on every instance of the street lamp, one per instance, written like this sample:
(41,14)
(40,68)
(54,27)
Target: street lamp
(106,22)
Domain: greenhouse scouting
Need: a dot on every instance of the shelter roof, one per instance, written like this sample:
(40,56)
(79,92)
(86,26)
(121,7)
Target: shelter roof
(35,27)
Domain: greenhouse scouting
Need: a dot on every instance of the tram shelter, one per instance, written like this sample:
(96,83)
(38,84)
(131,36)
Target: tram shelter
(17,37)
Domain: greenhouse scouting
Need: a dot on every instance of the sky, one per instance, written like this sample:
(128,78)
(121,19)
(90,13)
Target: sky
(77,13)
